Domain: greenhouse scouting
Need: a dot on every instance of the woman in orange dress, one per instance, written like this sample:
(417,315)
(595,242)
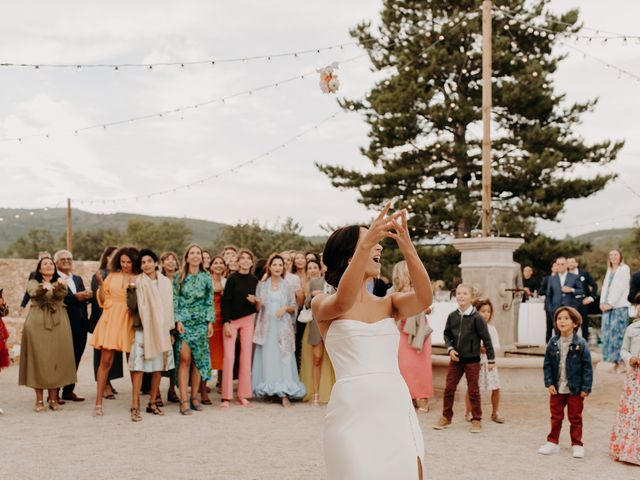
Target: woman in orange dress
(114,331)
(217,269)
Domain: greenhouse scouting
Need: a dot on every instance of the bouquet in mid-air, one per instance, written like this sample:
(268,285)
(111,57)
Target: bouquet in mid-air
(329,82)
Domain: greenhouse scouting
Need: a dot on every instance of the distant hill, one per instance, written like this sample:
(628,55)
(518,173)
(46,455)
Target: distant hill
(605,238)
(54,220)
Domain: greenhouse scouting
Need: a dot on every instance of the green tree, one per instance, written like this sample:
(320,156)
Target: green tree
(263,240)
(89,244)
(160,237)
(424,108)
(37,240)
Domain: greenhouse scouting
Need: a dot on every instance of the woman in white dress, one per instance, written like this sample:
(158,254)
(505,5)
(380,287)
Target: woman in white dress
(371,429)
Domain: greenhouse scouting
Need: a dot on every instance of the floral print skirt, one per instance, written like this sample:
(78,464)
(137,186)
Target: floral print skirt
(625,437)
(614,323)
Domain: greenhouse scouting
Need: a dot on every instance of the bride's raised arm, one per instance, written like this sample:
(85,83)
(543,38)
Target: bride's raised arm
(411,303)
(347,274)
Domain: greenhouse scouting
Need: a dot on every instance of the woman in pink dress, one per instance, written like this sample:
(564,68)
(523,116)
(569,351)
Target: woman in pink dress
(414,353)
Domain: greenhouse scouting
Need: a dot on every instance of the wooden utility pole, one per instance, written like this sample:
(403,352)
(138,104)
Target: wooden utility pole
(486,117)
(69,227)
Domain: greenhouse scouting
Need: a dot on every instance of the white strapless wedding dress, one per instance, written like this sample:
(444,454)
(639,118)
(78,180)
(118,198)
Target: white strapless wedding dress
(371,429)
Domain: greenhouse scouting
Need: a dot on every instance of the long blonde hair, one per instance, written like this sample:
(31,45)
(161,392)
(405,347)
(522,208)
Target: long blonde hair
(185,266)
(400,277)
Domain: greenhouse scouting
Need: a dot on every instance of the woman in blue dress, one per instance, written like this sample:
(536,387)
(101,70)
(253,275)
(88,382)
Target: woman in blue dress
(275,372)
(194,315)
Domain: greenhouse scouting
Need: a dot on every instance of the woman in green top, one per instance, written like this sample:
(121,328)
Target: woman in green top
(195,315)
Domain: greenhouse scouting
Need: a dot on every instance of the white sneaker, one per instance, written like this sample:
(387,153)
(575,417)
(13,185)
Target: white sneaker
(578,451)
(549,448)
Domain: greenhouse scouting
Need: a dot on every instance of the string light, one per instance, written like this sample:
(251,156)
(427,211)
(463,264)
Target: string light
(621,71)
(543,31)
(209,178)
(181,64)
(180,109)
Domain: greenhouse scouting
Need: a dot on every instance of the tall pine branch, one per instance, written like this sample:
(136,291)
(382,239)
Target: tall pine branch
(425,117)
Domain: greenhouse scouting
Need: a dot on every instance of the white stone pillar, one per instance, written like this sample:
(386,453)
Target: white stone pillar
(487,264)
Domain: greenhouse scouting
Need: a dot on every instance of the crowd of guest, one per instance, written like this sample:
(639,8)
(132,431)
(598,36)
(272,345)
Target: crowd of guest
(232,317)
(178,318)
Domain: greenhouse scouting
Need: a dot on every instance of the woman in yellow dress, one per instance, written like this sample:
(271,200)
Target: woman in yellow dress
(114,331)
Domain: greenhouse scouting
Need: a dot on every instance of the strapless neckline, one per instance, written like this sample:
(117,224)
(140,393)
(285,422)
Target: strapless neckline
(360,321)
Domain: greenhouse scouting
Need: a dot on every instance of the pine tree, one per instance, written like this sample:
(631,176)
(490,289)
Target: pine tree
(425,117)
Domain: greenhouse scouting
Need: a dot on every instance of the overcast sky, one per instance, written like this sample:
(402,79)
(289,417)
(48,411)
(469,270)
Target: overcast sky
(161,153)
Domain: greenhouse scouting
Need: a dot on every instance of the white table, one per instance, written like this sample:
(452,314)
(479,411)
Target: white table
(532,323)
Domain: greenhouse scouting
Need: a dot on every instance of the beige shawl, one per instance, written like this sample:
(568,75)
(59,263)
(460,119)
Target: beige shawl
(155,306)
(418,329)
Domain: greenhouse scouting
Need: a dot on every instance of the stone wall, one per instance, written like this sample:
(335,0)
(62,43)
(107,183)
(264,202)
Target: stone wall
(13,280)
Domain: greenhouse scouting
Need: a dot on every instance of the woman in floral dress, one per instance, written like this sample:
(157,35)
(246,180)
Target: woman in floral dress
(195,315)
(625,438)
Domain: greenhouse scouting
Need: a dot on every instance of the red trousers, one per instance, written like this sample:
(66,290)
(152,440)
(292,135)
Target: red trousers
(574,404)
(454,374)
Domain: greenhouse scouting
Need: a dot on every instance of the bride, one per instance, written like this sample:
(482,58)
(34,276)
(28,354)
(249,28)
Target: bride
(371,429)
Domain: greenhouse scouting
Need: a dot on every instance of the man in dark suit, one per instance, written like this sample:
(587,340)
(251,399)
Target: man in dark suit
(76,301)
(563,289)
(543,291)
(589,292)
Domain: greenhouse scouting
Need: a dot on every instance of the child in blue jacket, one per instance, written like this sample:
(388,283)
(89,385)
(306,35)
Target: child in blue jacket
(568,376)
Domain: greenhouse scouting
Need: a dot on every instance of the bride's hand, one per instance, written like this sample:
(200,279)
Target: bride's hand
(401,232)
(381,227)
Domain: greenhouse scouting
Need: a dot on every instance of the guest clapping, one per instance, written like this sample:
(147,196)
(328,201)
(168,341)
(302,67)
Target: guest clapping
(46,353)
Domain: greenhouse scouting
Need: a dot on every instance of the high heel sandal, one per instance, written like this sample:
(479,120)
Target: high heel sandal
(196,406)
(54,405)
(172,397)
(153,408)
(186,411)
(285,402)
(40,407)
(315,401)
(135,414)
(97,411)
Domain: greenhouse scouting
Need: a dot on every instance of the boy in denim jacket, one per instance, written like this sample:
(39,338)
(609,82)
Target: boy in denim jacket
(568,375)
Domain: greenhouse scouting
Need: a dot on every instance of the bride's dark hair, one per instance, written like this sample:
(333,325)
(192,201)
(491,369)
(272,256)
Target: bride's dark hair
(338,250)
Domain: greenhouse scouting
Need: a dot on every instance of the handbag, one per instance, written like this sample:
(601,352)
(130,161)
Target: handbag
(305,315)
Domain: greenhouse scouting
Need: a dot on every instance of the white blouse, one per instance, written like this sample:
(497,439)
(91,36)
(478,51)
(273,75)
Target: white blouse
(616,294)
(631,342)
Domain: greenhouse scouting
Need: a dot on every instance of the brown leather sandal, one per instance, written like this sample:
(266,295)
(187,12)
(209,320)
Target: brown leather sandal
(135,415)
(153,408)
